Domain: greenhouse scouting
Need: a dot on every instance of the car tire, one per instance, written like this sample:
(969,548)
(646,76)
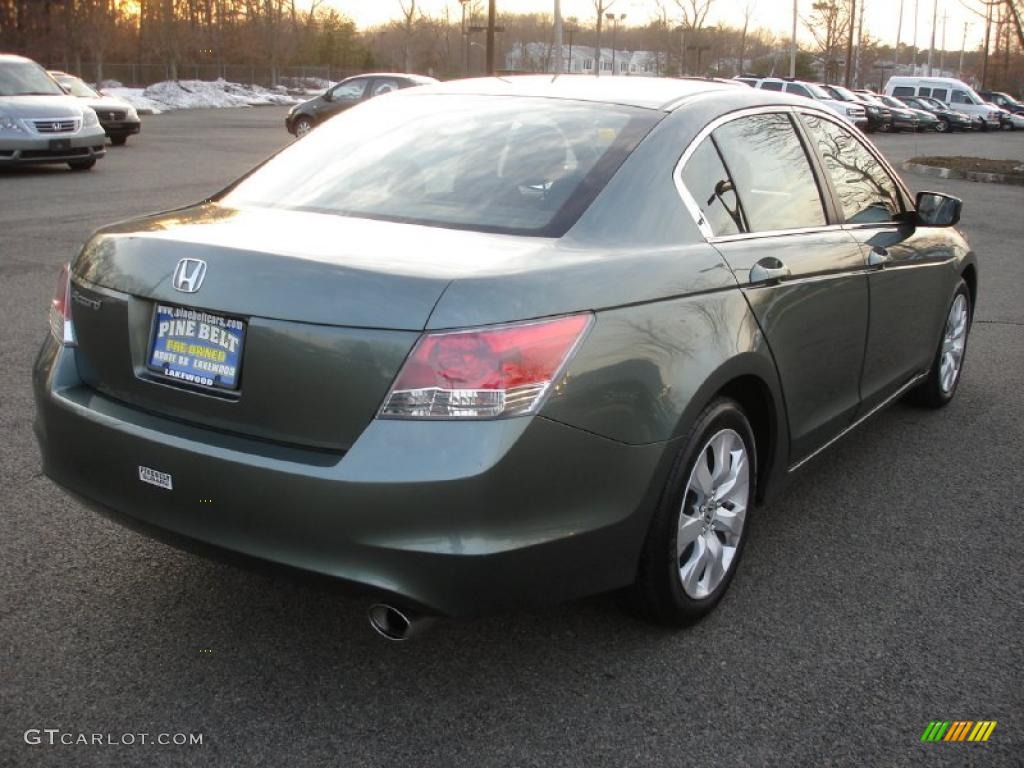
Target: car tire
(942,127)
(940,385)
(118,141)
(82,165)
(707,499)
(303,125)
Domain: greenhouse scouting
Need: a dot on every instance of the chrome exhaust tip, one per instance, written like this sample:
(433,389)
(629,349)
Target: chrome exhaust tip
(391,623)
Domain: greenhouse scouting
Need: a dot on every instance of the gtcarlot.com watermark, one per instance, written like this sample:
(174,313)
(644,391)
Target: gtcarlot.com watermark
(56,737)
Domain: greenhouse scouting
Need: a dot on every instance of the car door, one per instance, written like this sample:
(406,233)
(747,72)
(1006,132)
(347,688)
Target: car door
(757,198)
(911,269)
(344,95)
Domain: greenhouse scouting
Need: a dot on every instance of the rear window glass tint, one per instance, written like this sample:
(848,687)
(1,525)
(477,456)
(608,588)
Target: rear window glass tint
(488,163)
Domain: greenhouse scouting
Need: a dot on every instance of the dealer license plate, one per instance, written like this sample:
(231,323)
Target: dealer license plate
(197,347)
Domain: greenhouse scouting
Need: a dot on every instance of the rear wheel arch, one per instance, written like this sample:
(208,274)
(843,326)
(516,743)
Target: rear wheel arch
(750,379)
(758,404)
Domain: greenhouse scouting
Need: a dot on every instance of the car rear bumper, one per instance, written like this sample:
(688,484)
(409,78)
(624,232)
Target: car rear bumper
(451,518)
(33,150)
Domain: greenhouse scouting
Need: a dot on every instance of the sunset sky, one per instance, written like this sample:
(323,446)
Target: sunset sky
(879,20)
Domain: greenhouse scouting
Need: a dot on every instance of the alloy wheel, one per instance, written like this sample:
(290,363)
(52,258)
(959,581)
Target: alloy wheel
(713,512)
(953,340)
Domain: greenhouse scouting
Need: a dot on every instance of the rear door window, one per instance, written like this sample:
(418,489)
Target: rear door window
(866,191)
(939,93)
(711,188)
(773,179)
(382,85)
(906,90)
(770,86)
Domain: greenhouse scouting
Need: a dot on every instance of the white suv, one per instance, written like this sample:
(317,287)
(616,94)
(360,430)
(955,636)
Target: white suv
(852,113)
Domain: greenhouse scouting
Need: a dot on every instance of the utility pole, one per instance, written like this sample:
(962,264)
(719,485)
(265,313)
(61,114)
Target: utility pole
(899,30)
(847,81)
(913,69)
(963,45)
(935,23)
(988,30)
(942,53)
(615,28)
(492,13)
(860,40)
(559,59)
(792,44)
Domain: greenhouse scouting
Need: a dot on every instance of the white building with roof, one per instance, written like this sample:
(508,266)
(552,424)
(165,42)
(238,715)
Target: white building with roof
(579,59)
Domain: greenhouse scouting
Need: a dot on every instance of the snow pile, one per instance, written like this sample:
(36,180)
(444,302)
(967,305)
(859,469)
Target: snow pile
(204,94)
(134,97)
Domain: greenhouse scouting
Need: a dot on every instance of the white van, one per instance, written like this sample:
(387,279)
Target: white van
(949,90)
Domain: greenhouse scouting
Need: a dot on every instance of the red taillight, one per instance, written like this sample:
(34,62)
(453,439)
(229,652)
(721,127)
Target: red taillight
(60,309)
(484,373)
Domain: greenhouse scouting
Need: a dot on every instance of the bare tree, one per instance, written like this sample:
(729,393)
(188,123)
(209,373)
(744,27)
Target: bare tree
(828,23)
(408,18)
(695,12)
(748,11)
(600,8)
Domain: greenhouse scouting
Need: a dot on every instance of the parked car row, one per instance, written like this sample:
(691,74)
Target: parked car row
(53,117)
(917,104)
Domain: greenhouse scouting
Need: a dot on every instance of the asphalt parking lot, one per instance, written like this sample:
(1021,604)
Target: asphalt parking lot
(883,589)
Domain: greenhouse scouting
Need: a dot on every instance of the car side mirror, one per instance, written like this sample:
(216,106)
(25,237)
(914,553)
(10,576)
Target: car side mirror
(935,209)
(329,94)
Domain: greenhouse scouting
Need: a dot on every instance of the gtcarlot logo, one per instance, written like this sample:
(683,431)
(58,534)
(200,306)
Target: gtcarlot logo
(55,737)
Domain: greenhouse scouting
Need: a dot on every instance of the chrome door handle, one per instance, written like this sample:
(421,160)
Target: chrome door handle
(767,270)
(878,257)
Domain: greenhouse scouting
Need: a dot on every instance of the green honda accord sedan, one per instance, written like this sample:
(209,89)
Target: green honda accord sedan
(494,342)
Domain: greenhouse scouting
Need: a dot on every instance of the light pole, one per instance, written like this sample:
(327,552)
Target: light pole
(615,28)
(899,30)
(849,43)
(963,44)
(570,30)
(792,45)
(935,20)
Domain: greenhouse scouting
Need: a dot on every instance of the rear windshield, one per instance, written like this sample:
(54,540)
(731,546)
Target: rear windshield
(26,78)
(488,163)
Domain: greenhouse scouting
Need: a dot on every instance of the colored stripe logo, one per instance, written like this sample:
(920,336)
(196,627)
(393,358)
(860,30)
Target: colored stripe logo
(958,730)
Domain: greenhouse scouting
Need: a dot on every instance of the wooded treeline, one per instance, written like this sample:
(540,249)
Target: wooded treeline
(172,38)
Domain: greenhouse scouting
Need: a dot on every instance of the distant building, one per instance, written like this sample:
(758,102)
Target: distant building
(539,57)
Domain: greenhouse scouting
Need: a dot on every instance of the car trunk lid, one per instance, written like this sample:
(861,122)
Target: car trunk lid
(331,307)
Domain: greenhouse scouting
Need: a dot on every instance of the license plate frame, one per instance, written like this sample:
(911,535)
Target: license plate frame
(184,353)
(60,144)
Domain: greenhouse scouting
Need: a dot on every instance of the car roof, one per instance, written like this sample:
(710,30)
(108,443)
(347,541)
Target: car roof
(14,57)
(657,93)
(403,75)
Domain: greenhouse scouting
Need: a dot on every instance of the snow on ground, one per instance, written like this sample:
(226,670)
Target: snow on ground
(199,94)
